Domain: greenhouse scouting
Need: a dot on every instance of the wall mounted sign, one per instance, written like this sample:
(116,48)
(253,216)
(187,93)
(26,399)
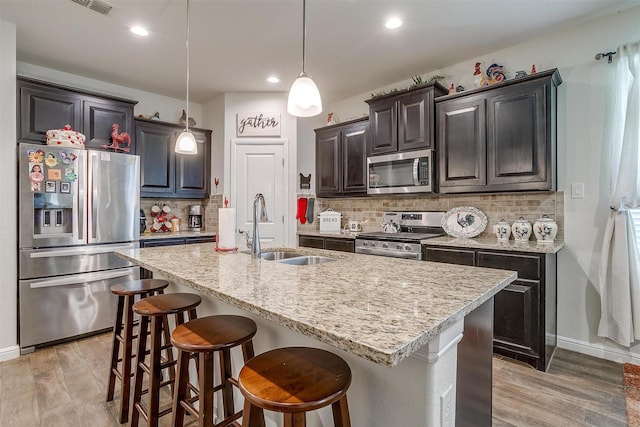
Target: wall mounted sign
(258,124)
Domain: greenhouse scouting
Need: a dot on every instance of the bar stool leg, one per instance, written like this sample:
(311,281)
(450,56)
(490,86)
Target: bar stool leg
(341,413)
(205,380)
(115,349)
(227,388)
(155,376)
(125,388)
(252,416)
(180,393)
(140,355)
(297,419)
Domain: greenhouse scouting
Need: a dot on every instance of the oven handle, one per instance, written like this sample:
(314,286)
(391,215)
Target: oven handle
(389,253)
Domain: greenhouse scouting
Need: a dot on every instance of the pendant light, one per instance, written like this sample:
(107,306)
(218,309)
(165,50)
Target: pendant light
(186,142)
(304,97)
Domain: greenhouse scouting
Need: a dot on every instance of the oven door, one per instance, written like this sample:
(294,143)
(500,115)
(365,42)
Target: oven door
(410,172)
(389,249)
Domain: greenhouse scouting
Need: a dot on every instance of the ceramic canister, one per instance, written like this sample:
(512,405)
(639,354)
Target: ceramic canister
(545,229)
(502,230)
(521,230)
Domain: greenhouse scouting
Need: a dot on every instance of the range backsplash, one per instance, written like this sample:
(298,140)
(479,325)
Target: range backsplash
(180,208)
(507,206)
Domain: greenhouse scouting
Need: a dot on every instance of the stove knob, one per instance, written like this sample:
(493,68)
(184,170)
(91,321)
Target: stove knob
(385,245)
(399,247)
(373,244)
(407,248)
(365,243)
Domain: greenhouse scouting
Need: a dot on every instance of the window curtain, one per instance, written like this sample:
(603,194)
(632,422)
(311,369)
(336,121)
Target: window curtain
(619,268)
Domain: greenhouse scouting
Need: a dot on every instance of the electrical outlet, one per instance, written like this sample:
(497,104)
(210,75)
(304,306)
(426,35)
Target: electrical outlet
(447,408)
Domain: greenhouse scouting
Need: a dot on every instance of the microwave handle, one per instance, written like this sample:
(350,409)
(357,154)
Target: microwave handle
(416,176)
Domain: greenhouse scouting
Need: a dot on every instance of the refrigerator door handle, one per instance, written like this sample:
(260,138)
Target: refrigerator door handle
(79,278)
(91,198)
(79,251)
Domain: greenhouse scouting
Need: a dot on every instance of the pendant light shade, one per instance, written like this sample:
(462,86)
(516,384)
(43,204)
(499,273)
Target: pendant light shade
(186,142)
(304,96)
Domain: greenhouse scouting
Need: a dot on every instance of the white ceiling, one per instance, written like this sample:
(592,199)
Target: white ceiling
(236,44)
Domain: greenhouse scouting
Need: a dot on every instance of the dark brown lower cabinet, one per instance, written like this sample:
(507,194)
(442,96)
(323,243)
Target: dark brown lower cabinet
(524,317)
(170,241)
(330,243)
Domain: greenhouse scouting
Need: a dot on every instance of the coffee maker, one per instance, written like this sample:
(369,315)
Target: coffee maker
(195,217)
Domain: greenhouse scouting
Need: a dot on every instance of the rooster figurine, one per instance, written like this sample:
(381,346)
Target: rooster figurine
(465,220)
(183,119)
(118,138)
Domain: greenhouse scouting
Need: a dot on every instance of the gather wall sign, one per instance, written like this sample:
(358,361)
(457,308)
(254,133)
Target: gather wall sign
(258,124)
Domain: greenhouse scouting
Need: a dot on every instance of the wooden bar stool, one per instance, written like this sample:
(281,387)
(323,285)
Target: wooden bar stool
(294,380)
(154,315)
(204,337)
(123,335)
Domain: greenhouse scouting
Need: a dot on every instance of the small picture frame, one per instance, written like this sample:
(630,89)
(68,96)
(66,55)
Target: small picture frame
(50,186)
(65,187)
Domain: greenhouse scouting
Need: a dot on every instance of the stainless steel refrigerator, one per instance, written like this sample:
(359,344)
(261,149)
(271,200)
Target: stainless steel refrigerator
(76,208)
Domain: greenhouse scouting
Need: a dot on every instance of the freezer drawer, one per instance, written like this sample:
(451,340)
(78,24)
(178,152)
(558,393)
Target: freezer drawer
(56,308)
(36,263)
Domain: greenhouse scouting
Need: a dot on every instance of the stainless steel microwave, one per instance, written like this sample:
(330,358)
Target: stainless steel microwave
(399,173)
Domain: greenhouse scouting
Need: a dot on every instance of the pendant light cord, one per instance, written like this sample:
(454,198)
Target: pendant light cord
(304,37)
(187,44)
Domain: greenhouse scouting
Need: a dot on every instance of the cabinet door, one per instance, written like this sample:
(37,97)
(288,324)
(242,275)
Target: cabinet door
(42,108)
(169,241)
(311,242)
(99,118)
(154,144)
(343,245)
(327,162)
(518,136)
(461,144)
(415,120)
(193,171)
(383,119)
(516,321)
(449,256)
(354,161)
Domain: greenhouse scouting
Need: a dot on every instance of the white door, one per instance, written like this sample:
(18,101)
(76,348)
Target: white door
(259,167)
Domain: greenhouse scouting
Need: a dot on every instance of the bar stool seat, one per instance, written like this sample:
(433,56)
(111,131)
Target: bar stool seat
(205,337)
(123,335)
(295,380)
(154,315)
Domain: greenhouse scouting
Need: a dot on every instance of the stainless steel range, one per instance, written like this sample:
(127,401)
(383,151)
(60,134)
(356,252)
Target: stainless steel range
(401,234)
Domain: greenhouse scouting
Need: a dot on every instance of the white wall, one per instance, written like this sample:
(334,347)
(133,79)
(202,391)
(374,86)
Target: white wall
(170,109)
(235,103)
(8,229)
(582,157)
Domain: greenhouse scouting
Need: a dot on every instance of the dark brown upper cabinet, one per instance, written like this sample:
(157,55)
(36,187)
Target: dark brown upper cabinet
(499,138)
(341,159)
(163,173)
(43,106)
(404,120)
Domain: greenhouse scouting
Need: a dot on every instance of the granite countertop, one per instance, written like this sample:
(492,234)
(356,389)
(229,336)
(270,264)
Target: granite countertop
(493,243)
(316,233)
(381,309)
(176,235)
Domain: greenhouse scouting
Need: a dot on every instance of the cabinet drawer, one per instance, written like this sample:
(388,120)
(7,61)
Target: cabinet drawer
(339,245)
(311,242)
(170,241)
(449,256)
(203,239)
(527,266)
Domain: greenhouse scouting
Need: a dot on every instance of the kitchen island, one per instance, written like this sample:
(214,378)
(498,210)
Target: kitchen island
(396,322)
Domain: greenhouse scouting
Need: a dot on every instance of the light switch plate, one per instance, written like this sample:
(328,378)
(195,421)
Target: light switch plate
(577,190)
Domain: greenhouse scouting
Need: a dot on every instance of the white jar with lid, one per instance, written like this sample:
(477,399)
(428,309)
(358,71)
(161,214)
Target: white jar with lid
(521,230)
(502,230)
(545,229)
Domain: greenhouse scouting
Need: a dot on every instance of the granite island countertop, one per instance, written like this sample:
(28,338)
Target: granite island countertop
(381,309)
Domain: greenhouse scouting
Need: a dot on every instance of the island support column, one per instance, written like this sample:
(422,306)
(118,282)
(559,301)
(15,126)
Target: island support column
(441,354)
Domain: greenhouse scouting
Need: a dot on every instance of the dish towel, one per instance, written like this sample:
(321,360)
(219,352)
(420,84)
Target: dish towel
(302,210)
(310,210)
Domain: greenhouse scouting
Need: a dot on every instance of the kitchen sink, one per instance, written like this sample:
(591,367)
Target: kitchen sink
(278,255)
(306,260)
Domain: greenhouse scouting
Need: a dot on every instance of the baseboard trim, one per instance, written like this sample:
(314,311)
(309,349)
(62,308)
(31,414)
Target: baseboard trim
(600,350)
(9,353)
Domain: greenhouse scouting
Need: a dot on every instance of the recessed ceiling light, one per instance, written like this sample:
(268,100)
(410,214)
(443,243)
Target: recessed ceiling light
(273,79)
(393,23)
(140,31)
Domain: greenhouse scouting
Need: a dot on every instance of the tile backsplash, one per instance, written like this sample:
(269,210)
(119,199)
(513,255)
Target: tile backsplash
(507,206)
(180,208)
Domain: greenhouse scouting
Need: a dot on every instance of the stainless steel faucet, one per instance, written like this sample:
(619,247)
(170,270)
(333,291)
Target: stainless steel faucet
(254,240)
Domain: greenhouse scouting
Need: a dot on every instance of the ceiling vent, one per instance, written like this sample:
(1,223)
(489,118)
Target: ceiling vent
(99,6)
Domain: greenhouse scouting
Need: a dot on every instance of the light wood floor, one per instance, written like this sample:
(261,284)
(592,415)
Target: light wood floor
(65,386)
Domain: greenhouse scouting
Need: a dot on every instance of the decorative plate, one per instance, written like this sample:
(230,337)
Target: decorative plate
(464,221)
